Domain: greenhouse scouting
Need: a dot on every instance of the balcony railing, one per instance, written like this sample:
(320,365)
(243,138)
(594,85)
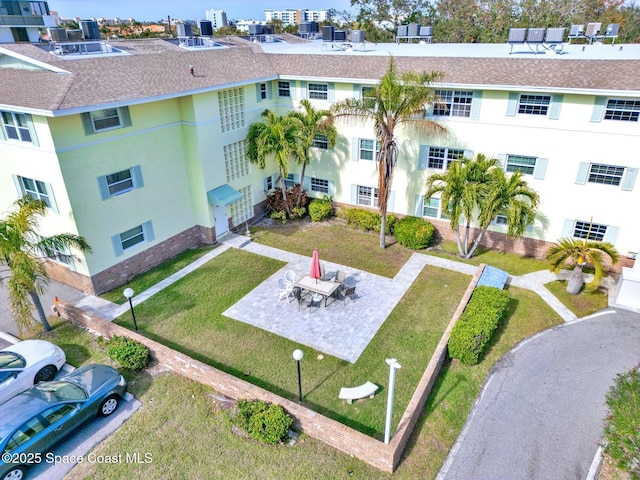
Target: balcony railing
(19,20)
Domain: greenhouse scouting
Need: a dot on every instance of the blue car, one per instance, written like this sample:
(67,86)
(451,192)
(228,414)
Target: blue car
(32,422)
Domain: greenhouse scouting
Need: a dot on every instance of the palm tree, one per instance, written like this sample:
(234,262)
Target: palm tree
(279,137)
(581,252)
(479,190)
(23,253)
(398,99)
(314,122)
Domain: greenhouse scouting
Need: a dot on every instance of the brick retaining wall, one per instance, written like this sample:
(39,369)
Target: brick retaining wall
(331,432)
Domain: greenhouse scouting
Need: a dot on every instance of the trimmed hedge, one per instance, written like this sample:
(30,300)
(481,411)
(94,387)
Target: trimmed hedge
(131,355)
(368,220)
(263,421)
(487,307)
(413,232)
(320,209)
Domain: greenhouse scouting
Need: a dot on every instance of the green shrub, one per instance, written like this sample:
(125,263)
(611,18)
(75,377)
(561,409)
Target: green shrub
(487,307)
(263,421)
(413,232)
(130,354)
(282,216)
(363,219)
(298,212)
(392,221)
(320,209)
(622,426)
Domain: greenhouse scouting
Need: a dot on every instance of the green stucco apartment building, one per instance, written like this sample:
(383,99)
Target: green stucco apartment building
(145,159)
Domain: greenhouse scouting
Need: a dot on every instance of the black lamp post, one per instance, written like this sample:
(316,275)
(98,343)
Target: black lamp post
(297,356)
(128,292)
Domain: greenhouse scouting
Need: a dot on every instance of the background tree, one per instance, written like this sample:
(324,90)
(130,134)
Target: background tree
(22,256)
(394,11)
(399,99)
(581,252)
(312,122)
(278,137)
(474,192)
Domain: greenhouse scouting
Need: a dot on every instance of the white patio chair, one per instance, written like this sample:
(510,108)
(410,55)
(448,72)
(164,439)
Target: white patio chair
(291,276)
(285,290)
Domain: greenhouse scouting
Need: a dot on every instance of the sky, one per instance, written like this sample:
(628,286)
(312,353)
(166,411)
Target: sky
(153,10)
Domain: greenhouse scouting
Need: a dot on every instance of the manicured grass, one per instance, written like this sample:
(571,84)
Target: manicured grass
(509,262)
(336,243)
(583,304)
(142,282)
(188,316)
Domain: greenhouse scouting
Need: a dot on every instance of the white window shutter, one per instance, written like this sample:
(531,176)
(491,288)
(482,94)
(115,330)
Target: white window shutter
(598,109)
(104,187)
(476,102)
(629,179)
(354,194)
(540,168)
(512,104)
(390,200)
(502,160)
(422,157)
(136,177)
(554,108)
(611,234)
(355,148)
(567,228)
(583,173)
(419,205)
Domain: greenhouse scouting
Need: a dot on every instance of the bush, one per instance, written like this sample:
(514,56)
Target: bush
(622,426)
(263,421)
(368,220)
(413,232)
(131,355)
(320,209)
(487,307)
(275,203)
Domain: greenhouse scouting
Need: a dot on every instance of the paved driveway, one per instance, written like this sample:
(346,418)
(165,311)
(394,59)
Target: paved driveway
(540,414)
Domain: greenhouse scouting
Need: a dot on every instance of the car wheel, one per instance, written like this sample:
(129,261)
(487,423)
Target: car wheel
(109,405)
(16,473)
(45,374)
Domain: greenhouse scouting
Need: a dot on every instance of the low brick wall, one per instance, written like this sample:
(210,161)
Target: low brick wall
(331,432)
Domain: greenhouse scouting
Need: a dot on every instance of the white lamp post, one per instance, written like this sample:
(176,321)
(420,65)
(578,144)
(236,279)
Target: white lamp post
(128,292)
(393,366)
(297,356)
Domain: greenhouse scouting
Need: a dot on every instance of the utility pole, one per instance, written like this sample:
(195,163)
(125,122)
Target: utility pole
(169,24)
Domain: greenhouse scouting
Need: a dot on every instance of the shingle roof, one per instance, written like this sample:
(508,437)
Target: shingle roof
(156,68)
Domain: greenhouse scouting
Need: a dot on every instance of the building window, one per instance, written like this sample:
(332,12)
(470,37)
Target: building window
(107,119)
(320,185)
(436,156)
(268,183)
(61,256)
(520,163)
(320,141)
(606,174)
(589,231)
(453,103)
(263,91)
(120,182)
(625,110)
(17,126)
(366,151)
(367,196)
(501,220)
(534,104)
(35,189)
(367,92)
(235,161)
(231,104)
(132,237)
(318,91)
(284,89)
(431,207)
(290,181)
(242,210)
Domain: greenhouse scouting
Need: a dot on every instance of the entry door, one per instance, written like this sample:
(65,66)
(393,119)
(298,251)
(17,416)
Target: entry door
(221,220)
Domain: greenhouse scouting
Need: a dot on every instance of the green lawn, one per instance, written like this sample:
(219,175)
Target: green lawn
(583,304)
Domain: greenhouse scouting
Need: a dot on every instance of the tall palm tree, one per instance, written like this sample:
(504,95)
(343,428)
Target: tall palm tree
(581,252)
(278,137)
(398,99)
(23,253)
(314,122)
(476,191)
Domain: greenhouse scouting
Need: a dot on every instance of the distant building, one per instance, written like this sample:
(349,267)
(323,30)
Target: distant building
(21,21)
(243,25)
(218,18)
(293,16)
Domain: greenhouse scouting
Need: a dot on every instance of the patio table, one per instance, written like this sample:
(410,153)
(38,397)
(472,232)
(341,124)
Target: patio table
(320,287)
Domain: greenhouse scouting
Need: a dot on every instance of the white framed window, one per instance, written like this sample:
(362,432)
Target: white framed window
(290,181)
(318,91)
(235,160)
(263,91)
(106,119)
(320,141)
(624,110)
(231,105)
(439,157)
(589,231)
(121,182)
(268,183)
(320,185)
(367,196)
(501,220)
(61,256)
(534,104)
(605,174)
(284,89)
(453,103)
(18,127)
(36,189)
(365,94)
(520,163)
(366,149)
(132,237)
(431,207)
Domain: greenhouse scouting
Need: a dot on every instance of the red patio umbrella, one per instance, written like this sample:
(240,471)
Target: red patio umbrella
(315,265)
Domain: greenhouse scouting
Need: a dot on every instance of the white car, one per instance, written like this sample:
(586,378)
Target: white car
(26,363)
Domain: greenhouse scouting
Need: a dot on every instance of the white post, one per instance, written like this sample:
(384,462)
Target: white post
(393,366)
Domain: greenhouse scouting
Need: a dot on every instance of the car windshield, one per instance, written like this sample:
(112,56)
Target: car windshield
(61,391)
(11,360)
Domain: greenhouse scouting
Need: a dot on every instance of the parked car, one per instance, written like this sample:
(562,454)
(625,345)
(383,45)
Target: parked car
(26,363)
(32,422)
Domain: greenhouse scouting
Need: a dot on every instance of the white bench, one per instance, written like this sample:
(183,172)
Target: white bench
(354,393)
